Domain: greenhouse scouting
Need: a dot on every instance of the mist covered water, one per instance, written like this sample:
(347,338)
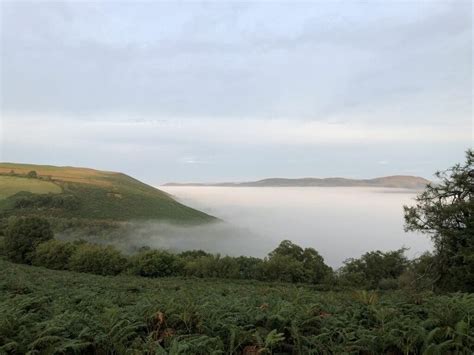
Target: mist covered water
(339,222)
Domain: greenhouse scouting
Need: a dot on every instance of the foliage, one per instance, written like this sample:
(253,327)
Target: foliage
(32,174)
(54,254)
(23,235)
(46,311)
(155,263)
(445,211)
(291,263)
(97,259)
(374,269)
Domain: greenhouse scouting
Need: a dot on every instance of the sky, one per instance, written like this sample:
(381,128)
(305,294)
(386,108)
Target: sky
(236,91)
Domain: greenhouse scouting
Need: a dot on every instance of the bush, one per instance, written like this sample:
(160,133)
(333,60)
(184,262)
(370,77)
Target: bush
(249,267)
(420,274)
(54,254)
(291,263)
(206,266)
(23,235)
(388,284)
(32,174)
(155,263)
(97,259)
(2,246)
(372,267)
(283,268)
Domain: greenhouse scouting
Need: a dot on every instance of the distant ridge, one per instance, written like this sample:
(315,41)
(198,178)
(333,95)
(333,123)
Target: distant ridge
(395,181)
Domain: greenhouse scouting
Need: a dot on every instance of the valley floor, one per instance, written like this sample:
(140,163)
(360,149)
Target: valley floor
(47,312)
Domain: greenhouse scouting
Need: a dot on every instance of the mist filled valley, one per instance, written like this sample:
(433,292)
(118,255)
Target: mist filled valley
(236,177)
(339,222)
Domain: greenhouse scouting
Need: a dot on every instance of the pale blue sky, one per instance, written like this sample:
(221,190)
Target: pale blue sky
(188,91)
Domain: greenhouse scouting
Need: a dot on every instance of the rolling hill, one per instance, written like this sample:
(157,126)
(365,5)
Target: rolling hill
(396,181)
(87,194)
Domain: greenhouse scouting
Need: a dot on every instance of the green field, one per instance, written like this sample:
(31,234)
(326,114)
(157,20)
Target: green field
(10,185)
(57,312)
(88,195)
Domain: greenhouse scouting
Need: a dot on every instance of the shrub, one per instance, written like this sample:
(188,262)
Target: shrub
(388,284)
(291,263)
(23,235)
(97,259)
(2,246)
(206,266)
(155,263)
(53,254)
(249,267)
(374,266)
(283,268)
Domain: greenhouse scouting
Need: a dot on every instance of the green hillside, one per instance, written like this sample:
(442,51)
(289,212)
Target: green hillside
(87,194)
(61,312)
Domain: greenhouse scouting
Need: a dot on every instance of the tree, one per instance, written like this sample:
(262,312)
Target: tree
(445,211)
(290,262)
(53,254)
(374,269)
(32,174)
(97,259)
(23,235)
(155,263)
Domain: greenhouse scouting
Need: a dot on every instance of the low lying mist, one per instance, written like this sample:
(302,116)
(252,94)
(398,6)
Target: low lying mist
(339,222)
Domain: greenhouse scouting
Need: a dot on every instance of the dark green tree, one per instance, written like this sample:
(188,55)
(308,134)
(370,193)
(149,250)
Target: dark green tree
(374,269)
(290,262)
(54,254)
(97,259)
(445,211)
(23,235)
(32,174)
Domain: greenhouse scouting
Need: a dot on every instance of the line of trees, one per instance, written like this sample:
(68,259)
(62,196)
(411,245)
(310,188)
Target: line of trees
(29,240)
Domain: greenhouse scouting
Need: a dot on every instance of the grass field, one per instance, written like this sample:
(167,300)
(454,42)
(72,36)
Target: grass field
(10,185)
(57,312)
(88,194)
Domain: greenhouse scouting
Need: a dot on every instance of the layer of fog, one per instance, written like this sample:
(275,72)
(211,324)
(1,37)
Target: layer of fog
(338,222)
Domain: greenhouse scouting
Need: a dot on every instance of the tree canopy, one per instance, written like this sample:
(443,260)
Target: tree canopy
(445,211)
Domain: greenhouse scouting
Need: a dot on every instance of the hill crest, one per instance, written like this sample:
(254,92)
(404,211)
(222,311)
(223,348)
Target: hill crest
(68,192)
(394,181)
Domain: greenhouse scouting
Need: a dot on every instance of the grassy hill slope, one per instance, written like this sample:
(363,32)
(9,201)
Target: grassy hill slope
(67,192)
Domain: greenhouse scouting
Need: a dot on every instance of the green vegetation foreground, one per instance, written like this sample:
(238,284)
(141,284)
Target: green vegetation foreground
(56,312)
